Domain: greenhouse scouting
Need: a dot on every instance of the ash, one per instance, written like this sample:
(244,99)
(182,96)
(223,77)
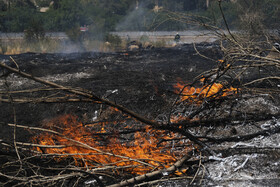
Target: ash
(142,81)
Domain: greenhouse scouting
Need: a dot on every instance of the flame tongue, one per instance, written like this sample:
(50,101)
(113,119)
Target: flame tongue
(196,95)
(138,154)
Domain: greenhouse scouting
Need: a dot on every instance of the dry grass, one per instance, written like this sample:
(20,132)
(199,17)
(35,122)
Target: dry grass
(12,47)
(19,46)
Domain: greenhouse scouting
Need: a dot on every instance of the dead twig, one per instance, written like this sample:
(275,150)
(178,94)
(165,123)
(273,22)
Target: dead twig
(155,174)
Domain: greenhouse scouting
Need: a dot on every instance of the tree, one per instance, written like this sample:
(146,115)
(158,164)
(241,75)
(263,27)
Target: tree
(16,15)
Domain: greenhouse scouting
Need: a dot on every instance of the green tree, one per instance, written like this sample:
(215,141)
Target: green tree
(16,15)
(107,15)
(69,14)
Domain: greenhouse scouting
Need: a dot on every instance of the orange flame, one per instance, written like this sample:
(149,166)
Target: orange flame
(195,95)
(141,154)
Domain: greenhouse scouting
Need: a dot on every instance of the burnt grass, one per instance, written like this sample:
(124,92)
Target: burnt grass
(143,79)
(139,80)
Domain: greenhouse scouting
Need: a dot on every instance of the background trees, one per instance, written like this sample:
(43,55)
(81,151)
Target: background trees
(241,66)
(109,15)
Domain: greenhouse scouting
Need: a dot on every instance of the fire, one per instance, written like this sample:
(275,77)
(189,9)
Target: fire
(195,95)
(89,147)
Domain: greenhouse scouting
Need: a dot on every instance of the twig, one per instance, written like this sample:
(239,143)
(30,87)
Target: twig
(242,165)
(14,118)
(225,21)
(162,180)
(260,80)
(198,168)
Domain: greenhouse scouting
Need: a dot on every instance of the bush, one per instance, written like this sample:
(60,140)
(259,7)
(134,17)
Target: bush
(35,31)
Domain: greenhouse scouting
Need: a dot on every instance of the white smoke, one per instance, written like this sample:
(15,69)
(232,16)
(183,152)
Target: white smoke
(139,18)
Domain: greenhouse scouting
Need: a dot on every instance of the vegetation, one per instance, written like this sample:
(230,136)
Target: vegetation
(228,106)
(110,15)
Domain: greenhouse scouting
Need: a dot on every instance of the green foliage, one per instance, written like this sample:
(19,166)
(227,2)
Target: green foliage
(17,19)
(109,15)
(35,30)
(166,22)
(3,6)
(69,15)
(214,16)
(43,3)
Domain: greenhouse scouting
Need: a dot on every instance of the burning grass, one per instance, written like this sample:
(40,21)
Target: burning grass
(198,94)
(105,146)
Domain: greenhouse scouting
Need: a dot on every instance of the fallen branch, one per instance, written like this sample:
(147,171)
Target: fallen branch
(155,174)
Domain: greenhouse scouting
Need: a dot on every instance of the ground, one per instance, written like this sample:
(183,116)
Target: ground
(143,82)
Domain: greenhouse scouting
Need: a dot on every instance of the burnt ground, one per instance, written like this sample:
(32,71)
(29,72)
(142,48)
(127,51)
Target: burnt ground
(143,82)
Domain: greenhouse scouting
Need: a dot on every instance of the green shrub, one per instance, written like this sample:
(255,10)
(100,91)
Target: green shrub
(35,31)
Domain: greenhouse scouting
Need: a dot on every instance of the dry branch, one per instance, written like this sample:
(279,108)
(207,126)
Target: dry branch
(155,174)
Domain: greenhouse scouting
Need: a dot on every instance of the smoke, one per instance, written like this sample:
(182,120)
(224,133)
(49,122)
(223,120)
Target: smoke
(88,41)
(139,19)
(68,46)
